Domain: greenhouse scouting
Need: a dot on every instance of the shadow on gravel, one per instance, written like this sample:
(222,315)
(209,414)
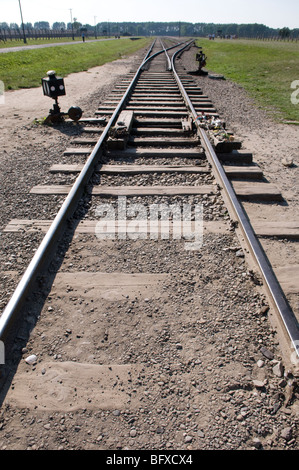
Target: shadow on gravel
(68,128)
(17,341)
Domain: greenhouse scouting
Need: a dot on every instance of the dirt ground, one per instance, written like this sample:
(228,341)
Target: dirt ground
(22,107)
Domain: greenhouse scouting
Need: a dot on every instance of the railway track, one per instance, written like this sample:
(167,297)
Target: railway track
(146,322)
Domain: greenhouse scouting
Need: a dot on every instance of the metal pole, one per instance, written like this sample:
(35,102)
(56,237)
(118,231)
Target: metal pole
(25,41)
(95,27)
(72,24)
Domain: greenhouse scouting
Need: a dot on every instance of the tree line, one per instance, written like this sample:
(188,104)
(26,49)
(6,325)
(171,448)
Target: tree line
(252,30)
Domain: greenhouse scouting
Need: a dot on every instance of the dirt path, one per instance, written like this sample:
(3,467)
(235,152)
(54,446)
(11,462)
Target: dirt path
(4,50)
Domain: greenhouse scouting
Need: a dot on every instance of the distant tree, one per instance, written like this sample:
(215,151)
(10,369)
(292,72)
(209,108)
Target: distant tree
(151,28)
(141,30)
(60,26)
(187,29)
(284,32)
(231,29)
(42,25)
(87,27)
(76,24)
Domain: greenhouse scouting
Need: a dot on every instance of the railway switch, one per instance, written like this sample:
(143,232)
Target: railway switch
(202,61)
(53,87)
(201,58)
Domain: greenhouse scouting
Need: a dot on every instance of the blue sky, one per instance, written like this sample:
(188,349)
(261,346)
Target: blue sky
(273,13)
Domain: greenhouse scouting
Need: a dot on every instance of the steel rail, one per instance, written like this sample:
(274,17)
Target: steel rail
(274,289)
(169,67)
(160,52)
(57,227)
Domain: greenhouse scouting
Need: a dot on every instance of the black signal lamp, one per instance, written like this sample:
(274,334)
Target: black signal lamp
(53,86)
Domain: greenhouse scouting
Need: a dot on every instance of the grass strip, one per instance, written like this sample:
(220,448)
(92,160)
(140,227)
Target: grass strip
(265,69)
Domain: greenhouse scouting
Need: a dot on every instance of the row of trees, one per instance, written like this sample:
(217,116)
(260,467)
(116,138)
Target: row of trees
(40,25)
(158,29)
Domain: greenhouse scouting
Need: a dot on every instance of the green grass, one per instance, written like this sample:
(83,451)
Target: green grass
(36,42)
(265,69)
(25,69)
